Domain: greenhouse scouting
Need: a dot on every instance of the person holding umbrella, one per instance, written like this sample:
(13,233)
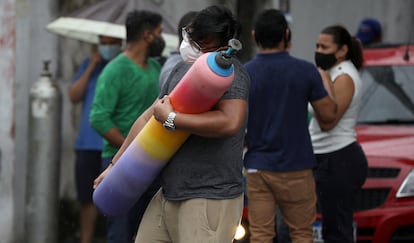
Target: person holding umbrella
(127,87)
(88,145)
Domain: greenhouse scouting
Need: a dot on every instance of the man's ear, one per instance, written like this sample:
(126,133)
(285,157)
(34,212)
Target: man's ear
(254,35)
(148,36)
(288,37)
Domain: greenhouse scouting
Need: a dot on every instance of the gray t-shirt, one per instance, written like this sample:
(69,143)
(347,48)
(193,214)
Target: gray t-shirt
(207,167)
(169,64)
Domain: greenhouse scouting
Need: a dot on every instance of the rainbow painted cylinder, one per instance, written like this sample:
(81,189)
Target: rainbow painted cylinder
(198,91)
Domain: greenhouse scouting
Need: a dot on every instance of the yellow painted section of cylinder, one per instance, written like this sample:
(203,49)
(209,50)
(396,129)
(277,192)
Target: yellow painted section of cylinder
(158,142)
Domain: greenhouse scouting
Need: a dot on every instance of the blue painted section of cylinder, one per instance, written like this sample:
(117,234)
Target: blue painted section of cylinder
(224,72)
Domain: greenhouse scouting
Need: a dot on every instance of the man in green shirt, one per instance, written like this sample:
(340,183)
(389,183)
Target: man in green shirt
(126,88)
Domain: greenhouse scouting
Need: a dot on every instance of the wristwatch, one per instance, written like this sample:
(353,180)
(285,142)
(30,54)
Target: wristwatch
(169,123)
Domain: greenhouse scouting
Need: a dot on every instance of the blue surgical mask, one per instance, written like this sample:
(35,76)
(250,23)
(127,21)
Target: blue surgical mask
(108,52)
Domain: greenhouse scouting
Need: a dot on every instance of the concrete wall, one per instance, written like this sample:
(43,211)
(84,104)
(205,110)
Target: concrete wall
(7,142)
(33,45)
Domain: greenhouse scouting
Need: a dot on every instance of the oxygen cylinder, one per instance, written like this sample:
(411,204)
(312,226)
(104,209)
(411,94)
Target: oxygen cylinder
(43,160)
(198,91)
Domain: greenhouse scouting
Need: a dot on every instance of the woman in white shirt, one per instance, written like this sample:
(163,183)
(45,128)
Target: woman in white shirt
(342,165)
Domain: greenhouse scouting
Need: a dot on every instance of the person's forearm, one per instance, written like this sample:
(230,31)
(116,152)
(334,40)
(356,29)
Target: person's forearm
(329,88)
(114,137)
(225,120)
(324,124)
(327,83)
(133,132)
(78,88)
(211,124)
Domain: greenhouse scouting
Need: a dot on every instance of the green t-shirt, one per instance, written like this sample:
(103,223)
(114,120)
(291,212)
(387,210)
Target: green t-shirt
(123,92)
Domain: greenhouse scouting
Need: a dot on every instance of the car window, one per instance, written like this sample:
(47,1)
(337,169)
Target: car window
(387,94)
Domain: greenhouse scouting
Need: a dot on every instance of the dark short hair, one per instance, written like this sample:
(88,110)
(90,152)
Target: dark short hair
(270,28)
(215,21)
(138,21)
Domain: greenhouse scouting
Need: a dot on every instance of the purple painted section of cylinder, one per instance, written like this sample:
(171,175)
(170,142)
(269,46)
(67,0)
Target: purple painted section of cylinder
(128,180)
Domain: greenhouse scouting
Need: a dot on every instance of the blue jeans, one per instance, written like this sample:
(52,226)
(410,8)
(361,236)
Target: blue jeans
(118,230)
(123,229)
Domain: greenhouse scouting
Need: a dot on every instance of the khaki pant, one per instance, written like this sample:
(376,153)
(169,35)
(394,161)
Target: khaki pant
(293,192)
(190,221)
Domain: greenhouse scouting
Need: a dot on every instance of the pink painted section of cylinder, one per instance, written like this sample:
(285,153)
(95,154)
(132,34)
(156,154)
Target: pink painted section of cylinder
(199,89)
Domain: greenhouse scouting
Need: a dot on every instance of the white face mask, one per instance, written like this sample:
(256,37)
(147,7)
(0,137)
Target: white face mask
(187,52)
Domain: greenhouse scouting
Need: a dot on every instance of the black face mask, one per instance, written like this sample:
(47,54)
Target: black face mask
(156,47)
(325,61)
